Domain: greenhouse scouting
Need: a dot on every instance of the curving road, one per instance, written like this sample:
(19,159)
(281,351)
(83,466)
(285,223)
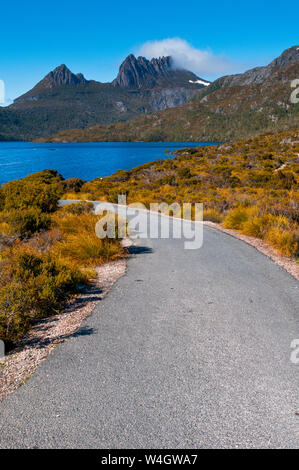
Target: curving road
(191,349)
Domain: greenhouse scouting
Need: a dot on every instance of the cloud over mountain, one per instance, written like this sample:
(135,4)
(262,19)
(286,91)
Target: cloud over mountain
(201,62)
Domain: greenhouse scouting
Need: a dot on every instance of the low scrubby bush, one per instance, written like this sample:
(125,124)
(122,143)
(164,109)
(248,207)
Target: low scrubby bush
(237,217)
(72,185)
(25,222)
(213,215)
(285,242)
(32,286)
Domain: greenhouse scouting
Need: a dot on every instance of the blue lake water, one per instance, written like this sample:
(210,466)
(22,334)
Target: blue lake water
(82,160)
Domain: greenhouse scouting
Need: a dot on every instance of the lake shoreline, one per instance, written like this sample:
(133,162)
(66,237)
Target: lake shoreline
(85,160)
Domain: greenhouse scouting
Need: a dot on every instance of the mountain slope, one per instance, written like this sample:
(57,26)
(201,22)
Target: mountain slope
(235,106)
(63,100)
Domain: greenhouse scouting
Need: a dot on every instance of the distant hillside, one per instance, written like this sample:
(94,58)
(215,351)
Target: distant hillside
(63,100)
(235,106)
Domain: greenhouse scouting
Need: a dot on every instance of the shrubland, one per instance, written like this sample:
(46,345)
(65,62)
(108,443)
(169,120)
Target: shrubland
(249,185)
(46,252)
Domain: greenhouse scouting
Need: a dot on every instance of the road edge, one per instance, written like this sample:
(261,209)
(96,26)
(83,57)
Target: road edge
(289,265)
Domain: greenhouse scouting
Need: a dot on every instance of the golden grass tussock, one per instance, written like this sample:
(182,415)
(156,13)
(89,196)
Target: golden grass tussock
(213,215)
(79,243)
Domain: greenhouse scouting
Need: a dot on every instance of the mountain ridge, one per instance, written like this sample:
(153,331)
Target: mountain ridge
(259,74)
(138,104)
(232,107)
(64,100)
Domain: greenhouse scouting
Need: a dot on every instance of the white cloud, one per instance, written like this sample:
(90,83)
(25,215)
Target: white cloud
(4,101)
(2,92)
(202,62)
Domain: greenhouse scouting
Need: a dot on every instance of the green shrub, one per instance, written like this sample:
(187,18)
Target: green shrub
(72,185)
(32,286)
(184,173)
(237,217)
(40,190)
(2,200)
(27,221)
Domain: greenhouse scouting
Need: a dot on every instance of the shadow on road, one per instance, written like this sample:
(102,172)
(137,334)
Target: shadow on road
(83,331)
(139,250)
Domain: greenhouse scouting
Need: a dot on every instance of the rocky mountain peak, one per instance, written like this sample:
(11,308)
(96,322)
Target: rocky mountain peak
(163,65)
(287,57)
(62,76)
(271,72)
(139,72)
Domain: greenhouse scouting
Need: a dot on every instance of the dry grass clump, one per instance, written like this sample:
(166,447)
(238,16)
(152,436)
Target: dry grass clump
(278,231)
(79,243)
(213,215)
(77,196)
(78,208)
(286,242)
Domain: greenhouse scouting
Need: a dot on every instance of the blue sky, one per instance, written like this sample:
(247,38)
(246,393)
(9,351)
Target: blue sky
(93,37)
